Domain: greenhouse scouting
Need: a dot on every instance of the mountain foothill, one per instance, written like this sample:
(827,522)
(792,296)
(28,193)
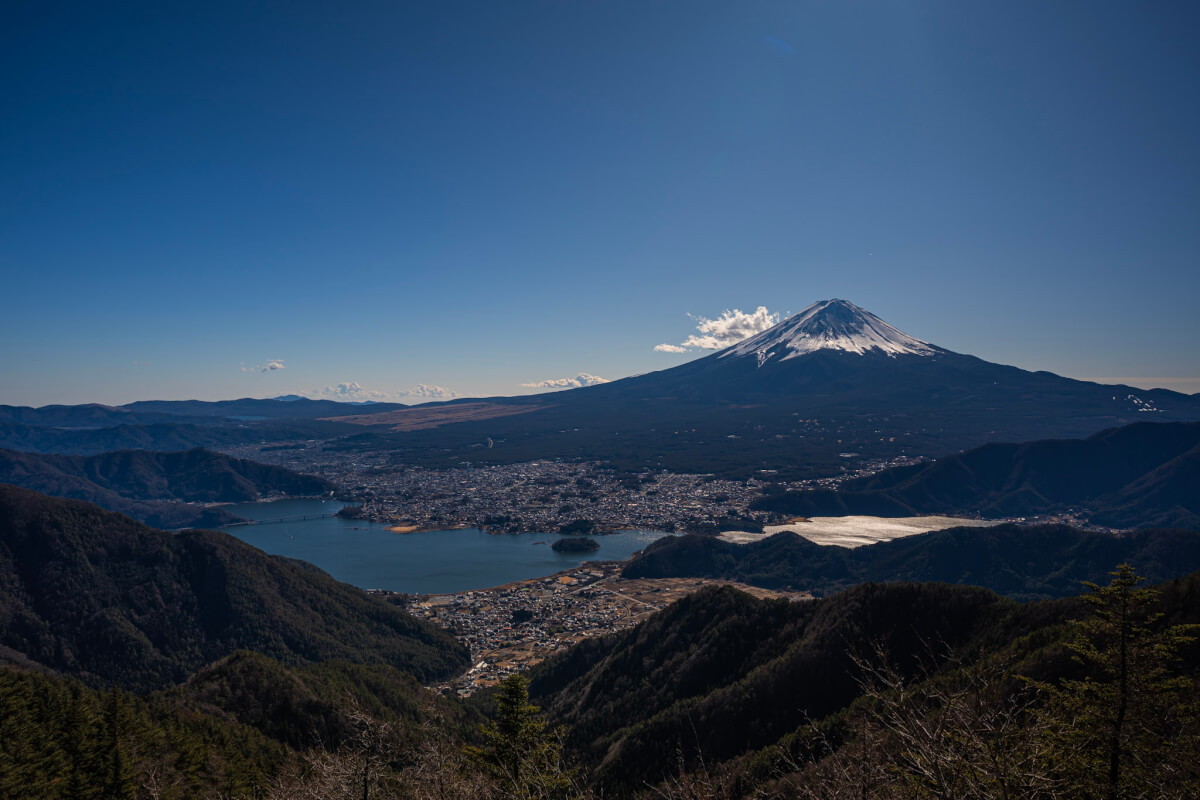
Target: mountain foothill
(1136,476)
(158,487)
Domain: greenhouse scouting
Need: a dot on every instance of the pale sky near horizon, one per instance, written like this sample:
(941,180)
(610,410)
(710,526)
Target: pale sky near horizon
(248,199)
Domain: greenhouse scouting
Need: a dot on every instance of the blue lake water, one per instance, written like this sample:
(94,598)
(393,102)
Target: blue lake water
(369,556)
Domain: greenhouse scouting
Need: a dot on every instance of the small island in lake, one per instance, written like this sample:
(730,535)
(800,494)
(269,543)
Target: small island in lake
(575,544)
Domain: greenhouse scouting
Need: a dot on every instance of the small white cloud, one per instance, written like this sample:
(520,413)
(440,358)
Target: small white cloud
(347,392)
(427,391)
(724,331)
(272,365)
(582,379)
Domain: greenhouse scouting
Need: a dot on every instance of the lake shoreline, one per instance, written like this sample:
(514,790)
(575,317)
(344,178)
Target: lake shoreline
(417,559)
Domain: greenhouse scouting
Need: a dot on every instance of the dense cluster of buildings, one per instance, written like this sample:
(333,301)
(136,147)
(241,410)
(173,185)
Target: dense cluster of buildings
(510,628)
(542,495)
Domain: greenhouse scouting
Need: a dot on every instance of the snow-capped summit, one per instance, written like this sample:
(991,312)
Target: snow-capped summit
(830,325)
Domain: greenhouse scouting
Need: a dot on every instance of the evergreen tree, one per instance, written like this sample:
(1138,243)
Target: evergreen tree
(1114,728)
(521,752)
(119,777)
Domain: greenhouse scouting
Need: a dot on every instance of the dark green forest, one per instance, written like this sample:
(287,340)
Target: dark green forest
(95,594)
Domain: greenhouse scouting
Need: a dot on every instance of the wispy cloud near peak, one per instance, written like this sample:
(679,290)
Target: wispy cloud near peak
(728,329)
(582,379)
(427,391)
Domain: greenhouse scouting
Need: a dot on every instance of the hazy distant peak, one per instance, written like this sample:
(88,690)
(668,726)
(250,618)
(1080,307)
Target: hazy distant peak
(830,325)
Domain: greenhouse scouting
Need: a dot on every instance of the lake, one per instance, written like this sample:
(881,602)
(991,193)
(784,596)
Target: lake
(369,556)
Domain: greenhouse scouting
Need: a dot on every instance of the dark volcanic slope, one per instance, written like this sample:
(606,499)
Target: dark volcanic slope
(98,595)
(137,482)
(1021,562)
(1140,475)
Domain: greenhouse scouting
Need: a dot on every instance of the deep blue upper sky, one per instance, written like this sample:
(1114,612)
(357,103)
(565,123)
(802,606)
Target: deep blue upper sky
(481,195)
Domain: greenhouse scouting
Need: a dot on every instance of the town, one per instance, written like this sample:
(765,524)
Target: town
(511,628)
(542,496)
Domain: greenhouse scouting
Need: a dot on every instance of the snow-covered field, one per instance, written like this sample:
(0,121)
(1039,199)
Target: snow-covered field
(858,531)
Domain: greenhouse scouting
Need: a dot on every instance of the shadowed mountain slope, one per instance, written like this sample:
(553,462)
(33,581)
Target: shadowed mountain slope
(1022,562)
(1140,475)
(721,673)
(144,484)
(98,595)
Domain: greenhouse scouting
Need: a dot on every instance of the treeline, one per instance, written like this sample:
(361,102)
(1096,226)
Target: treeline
(61,739)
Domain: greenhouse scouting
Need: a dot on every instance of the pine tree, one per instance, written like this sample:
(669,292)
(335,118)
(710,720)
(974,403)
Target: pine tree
(521,752)
(119,778)
(1114,727)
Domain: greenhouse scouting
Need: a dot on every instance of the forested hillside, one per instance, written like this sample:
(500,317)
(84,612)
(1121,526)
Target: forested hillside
(153,486)
(720,673)
(1023,562)
(96,594)
(1138,476)
(876,691)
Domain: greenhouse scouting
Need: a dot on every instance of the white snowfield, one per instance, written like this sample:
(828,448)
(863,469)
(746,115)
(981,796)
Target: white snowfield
(859,531)
(830,325)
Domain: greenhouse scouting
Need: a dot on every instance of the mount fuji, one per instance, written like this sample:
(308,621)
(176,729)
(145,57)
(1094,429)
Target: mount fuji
(825,388)
(830,325)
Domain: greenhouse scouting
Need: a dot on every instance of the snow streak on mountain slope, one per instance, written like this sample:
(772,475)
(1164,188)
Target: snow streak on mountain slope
(830,325)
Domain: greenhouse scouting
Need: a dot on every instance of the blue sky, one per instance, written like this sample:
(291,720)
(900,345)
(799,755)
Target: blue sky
(483,195)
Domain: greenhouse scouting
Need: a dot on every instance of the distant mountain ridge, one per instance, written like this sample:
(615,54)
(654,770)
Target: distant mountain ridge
(286,407)
(1141,475)
(95,594)
(789,401)
(163,436)
(147,412)
(153,486)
